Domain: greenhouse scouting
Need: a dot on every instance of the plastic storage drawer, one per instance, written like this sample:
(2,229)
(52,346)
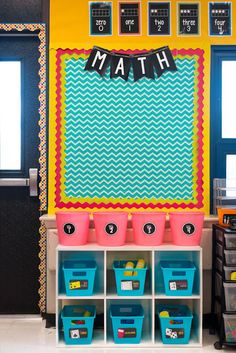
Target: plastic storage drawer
(79,277)
(175,328)
(230,240)
(230,296)
(230,273)
(230,257)
(230,327)
(127,323)
(132,284)
(78,323)
(178,277)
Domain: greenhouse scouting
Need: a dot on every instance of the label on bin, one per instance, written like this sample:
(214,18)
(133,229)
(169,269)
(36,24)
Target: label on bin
(188,228)
(130,285)
(149,228)
(126,332)
(227,218)
(174,333)
(76,333)
(111,228)
(69,228)
(75,284)
(178,285)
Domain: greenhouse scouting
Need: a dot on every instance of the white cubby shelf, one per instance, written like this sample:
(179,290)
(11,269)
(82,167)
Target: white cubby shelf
(105,292)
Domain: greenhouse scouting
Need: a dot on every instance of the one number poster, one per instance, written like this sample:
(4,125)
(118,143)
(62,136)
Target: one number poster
(159,18)
(129,18)
(188,19)
(100,18)
(220,21)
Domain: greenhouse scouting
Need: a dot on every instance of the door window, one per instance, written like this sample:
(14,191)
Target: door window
(228,99)
(223,118)
(10,115)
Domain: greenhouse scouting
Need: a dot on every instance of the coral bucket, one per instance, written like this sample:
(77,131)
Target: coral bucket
(110,228)
(186,228)
(148,228)
(73,227)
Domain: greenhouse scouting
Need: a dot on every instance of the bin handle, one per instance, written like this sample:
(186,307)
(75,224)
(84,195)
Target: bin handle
(179,273)
(76,274)
(127,321)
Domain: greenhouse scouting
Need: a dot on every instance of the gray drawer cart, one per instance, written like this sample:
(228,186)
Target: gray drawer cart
(223,305)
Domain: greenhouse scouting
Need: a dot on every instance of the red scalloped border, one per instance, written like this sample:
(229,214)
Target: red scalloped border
(60,204)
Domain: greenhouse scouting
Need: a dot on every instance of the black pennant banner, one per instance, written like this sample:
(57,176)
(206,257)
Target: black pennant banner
(142,67)
(120,64)
(98,60)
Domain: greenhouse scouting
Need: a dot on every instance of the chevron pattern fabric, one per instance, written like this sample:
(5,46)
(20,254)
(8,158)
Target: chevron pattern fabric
(126,142)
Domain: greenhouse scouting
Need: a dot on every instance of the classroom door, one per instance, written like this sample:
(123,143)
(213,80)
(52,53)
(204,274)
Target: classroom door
(19,141)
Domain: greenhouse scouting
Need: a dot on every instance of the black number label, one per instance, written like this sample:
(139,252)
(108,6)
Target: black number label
(188,229)
(69,228)
(149,228)
(111,228)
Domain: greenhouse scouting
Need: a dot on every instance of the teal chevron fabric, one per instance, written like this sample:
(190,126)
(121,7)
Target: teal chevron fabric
(129,140)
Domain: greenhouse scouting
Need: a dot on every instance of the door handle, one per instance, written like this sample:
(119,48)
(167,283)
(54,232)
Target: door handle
(31,182)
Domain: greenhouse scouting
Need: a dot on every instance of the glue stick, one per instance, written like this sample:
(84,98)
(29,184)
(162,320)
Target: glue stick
(87,313)
(140,264)
(129,264)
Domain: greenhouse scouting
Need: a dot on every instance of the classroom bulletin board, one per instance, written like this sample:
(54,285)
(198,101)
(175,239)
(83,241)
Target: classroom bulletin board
(131,145)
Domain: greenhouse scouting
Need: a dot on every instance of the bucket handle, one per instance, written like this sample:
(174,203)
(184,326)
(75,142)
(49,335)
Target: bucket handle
(178,273)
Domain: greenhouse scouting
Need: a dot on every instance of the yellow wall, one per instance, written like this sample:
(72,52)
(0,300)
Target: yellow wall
(69,28)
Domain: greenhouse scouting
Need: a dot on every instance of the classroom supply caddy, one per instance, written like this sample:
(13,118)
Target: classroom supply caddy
(175,323)
(143,327)
(225,215)
(224,286)
(78,323)
(79,277)
(130,277)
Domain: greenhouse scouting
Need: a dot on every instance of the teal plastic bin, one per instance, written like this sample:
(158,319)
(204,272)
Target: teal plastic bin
(79,277)
(78,329)
(129,285)
(178,277)
(127,323)
(176,328)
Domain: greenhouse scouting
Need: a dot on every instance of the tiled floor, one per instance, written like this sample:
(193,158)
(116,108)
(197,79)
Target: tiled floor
(29,335)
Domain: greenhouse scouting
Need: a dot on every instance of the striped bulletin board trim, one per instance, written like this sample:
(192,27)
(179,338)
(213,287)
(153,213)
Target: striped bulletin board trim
(129,144)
